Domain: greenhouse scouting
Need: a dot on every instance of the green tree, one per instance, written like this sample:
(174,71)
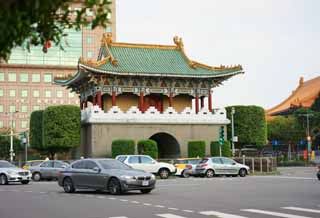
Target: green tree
(61,129)
(36,22)
(36,130)
(148,147)
(225,149)
(5,145)
(249,125)
(316,104)
(215,149)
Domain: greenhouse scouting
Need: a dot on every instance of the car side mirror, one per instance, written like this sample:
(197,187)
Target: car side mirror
(234,163)
(153,162)
(63,166)
(96,169)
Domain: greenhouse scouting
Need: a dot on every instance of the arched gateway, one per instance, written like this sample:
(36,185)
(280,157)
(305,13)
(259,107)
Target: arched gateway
(168,146)
(135,90)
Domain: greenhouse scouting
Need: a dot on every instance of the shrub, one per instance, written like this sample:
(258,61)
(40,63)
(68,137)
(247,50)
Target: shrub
(226,149)
(122,146)
(214,147)
(36,130)
(196,148)
(148,147)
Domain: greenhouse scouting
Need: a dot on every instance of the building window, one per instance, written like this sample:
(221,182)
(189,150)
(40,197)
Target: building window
(12,124)
(36,107)
(23,124)
(36,78)
(24,77)
(36,93)
(1,108)
(12,108)
(1,124)
(12,77)
(24,93)
(89,40)
(48,94)
(89,54)
(71,94)
(1,92)
(48,78)
(12,93)
(59,94)
(1,76)
(24,108)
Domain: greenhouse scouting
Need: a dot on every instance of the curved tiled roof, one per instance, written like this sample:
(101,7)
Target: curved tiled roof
(152,60)
(303,96)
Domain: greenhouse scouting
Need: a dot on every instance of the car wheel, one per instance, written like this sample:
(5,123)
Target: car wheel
(145,191)
(24,182)
(3,179)
(209,173)
(36,177)
(68,186)
(114,186)
(164,173)
(242,172)
(185,174)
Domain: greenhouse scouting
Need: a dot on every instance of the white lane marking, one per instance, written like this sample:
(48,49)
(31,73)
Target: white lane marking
(188,211)
(124,200)
(169,215)
(146,204)
(271,213)
(43,192)
(285,177)
(89,196)
(160,206)
(118,217)
(135,202)
(27,191)
(168,185)
(221,215)
(112,198)
(172,208)
(101,197)
(302,209)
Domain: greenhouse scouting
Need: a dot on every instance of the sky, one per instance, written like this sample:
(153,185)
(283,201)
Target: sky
(276,41)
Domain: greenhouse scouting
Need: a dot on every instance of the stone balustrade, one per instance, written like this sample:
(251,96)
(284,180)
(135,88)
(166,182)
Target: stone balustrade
(94,114)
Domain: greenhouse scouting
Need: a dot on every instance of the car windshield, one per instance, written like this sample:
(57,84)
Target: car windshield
(5,164)
(113,164)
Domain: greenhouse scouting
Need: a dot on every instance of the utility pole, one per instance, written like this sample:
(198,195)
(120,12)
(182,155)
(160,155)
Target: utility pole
(232,130)
(308,115)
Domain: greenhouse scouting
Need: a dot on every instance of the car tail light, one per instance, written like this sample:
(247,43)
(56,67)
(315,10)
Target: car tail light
(203,165)
(189,167)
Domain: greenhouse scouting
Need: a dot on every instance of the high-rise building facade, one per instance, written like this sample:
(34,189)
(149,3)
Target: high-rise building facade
(26,81)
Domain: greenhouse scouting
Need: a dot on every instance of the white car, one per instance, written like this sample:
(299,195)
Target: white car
(146,163)
(212,166)
(11,173)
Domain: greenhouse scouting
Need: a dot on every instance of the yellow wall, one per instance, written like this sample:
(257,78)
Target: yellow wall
(180,102)
(106,102)
(127,100)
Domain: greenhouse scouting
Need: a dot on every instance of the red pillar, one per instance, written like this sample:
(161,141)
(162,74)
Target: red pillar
(202,102)
(197,104)
(99,99)
(141,103)
(209,101)
(94,100)
(170,100)
(113,99)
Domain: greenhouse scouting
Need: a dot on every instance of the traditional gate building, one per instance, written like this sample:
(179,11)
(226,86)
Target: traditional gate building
(140,91)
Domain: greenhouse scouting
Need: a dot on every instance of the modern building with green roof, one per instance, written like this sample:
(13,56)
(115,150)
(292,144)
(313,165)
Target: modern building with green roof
(143,91)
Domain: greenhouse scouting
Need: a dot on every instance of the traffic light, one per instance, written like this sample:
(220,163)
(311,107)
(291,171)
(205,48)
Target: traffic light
(221,135)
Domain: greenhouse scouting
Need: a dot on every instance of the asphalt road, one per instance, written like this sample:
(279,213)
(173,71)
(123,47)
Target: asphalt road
(293,194)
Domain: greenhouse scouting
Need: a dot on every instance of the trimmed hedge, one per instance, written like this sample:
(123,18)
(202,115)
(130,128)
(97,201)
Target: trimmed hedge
(148,147)
(122,146)
(196,148)
(36,130)
(225,149)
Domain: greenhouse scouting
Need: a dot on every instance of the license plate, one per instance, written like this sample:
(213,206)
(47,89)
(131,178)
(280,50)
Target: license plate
(145,183)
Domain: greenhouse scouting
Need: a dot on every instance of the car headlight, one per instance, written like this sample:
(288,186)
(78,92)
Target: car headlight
(127,177)
(153,177)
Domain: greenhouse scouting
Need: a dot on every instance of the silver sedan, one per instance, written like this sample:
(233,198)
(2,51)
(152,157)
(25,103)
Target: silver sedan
(105,174)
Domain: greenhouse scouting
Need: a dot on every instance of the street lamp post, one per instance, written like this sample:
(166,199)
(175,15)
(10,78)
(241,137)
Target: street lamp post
(11,135)
(232,130)
(307,115)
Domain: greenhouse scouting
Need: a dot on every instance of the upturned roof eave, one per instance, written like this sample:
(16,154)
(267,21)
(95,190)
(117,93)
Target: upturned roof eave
(216,75)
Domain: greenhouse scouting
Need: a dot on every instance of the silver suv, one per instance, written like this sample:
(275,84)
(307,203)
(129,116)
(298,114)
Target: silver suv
(212,166)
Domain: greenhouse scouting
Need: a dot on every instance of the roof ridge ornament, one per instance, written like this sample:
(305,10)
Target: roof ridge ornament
(301,81)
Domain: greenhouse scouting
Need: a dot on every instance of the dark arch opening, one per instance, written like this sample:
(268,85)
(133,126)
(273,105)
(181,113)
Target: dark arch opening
(168,146)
